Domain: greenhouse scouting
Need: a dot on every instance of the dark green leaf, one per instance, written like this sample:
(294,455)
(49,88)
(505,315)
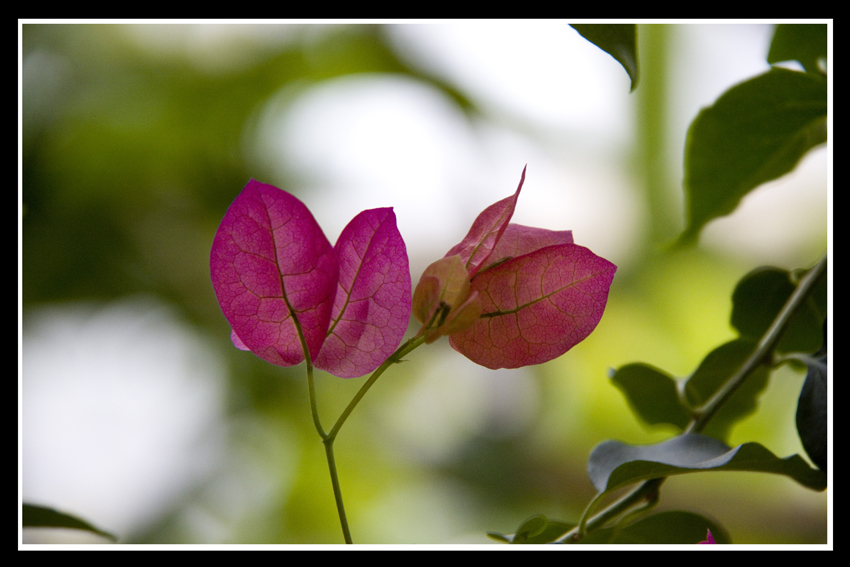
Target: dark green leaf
(714,371)
(40,517)
(651,394)
(537,529)
(618,40)
(759,297)
(811,411)
(665,527)
(798,42)
(755,132)
(613,464)
(500,537)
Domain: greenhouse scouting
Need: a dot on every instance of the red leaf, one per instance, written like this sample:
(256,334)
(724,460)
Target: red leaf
(486,231)
(536,307)
(518,240)
(372,306)
(270,259)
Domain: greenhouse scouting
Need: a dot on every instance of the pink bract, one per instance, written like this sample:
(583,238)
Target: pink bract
(270,260)
(540,293)
(485,232)
(536,307)
(372,306)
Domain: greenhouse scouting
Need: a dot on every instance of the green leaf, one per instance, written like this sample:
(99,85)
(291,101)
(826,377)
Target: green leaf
(613,464)
(651,394)
(799,42)
(500,537)
(530,528)
(673,527)
(811,412)
(759,297)
(755,132)
(714,371)
(537,529)
(41,517)
(618,40)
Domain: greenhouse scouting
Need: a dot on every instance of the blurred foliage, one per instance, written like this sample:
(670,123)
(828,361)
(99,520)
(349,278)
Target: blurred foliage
(131,157)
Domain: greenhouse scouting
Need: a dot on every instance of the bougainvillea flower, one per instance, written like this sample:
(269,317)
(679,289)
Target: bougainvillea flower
(539,293)
(709,538)
(277,279)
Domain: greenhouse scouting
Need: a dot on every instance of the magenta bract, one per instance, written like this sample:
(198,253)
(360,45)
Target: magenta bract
(372,305)
(485,232)
(536,307)
(270,261)
(540,293)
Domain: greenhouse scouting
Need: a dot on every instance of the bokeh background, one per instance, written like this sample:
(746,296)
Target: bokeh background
(137,413)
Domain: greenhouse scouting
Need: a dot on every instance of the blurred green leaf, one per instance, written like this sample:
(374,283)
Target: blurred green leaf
(618,40)
(755,132)
(759,297)
(672,527)
(530,528)
(500,537)
(613,464)
(535,530)
(41,517)
(651,394)
(714,371)
(799,42)
(812,411)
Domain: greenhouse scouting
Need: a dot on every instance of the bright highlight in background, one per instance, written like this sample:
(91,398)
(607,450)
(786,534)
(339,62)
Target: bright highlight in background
(117,417)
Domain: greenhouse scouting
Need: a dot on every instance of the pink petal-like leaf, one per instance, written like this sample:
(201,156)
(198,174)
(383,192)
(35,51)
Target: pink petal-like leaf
(518,240)
(372,306)
(237,342)
(536,307)
(269,256)
(486,231)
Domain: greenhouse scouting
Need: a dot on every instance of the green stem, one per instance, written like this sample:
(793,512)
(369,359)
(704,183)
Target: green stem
(340,507)
(394,358)
(648,490)
(763,351)
(329,437)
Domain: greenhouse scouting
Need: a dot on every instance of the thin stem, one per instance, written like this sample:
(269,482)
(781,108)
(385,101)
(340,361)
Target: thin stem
(763,350)
(314,408)
(329,437)
(340,507)
(394,358)
(648,490)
